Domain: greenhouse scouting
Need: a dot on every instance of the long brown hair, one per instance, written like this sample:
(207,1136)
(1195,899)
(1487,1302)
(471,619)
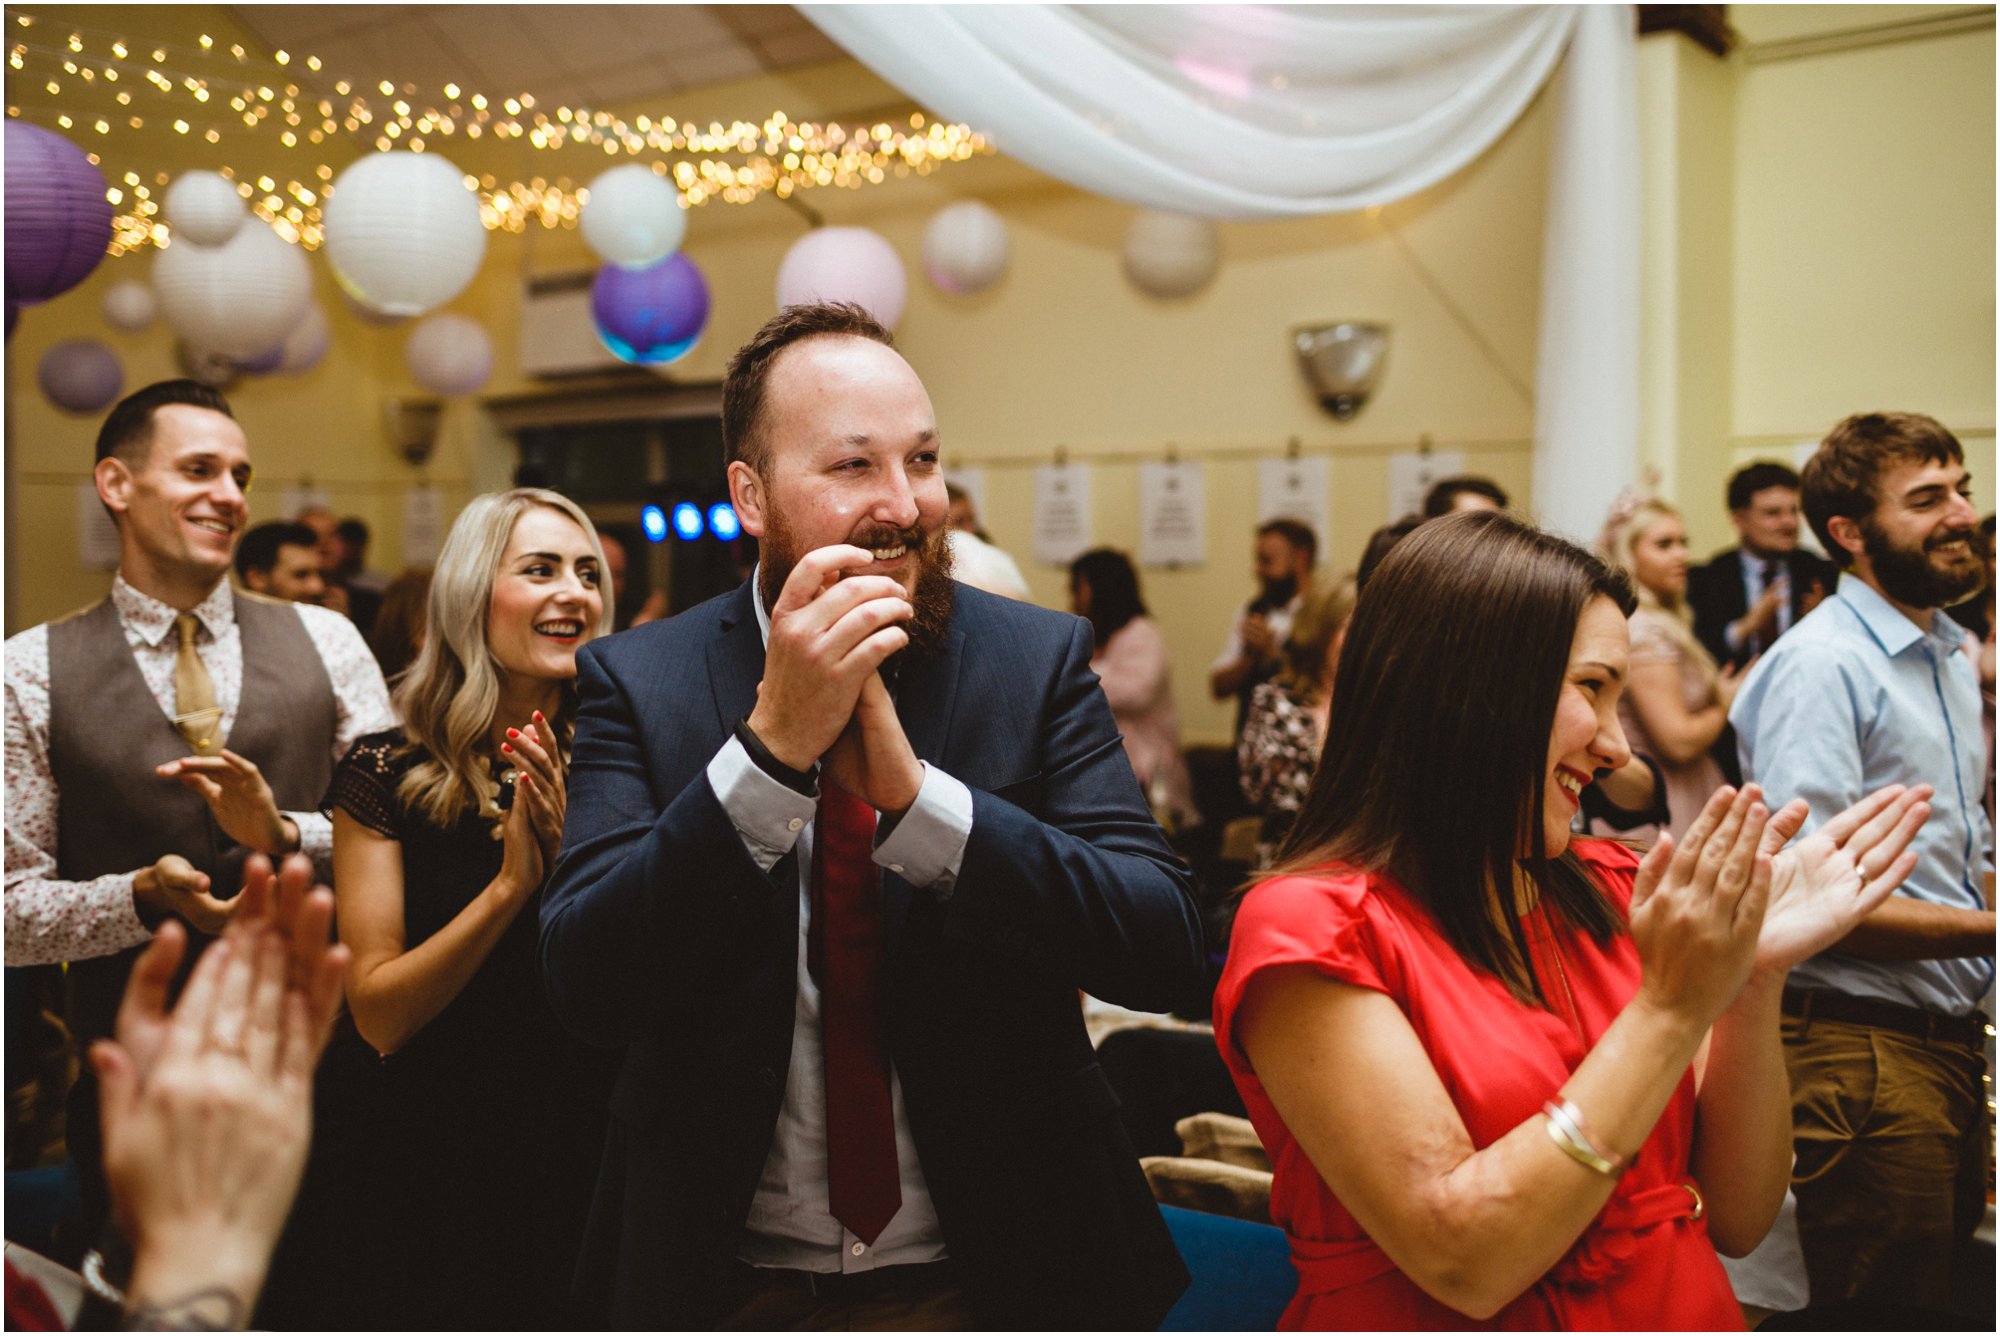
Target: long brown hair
(1437,743)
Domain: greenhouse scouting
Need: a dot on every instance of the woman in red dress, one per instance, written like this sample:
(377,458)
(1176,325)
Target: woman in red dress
(1509,1079)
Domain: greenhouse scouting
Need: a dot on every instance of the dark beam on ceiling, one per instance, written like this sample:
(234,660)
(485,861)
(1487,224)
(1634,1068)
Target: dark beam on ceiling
(1707,25)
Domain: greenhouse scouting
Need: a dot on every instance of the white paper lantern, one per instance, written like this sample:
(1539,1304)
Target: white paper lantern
(1171,254)
(307,343)
(403,233)
(634,219)
(449,355)
(965,248)
(204,208)
(844,264)
(80,375)
(129,306)
(240,299)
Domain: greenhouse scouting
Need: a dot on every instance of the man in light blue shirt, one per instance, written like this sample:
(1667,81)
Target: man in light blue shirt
(1883,1036)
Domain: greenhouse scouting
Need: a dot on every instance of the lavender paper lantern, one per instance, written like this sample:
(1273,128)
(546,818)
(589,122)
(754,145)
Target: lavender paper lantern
(80,376)
(965,248)
(204,208)
(240,300)
(650,316)
(58,221)
(129,306)
(403,232)
(449,355)
(844,264)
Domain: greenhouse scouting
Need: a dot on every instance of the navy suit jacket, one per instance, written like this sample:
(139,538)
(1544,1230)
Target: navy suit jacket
(659,932)
(1715,595)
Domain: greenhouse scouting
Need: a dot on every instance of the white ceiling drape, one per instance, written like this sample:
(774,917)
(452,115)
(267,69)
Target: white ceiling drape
(1264,111)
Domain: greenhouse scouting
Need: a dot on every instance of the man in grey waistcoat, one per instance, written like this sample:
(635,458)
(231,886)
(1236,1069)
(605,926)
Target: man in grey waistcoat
(158,737)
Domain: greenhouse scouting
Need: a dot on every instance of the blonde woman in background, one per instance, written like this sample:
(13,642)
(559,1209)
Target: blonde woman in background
(463,1165)
(1286,725)
(1676,703)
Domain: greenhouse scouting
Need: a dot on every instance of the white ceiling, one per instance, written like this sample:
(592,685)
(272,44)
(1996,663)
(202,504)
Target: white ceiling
(580,55)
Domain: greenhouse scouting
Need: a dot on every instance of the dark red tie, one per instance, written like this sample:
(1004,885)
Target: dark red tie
(844,953)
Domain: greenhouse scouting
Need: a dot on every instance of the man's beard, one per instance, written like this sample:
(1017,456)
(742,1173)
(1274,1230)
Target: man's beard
(1909,575)
(779,554)
(1277,593)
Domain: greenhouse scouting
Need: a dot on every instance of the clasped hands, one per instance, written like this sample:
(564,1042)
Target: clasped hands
(532,830)
(1729,899)
(822,698)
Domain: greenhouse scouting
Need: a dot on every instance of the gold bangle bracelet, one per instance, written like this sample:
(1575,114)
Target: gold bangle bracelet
(1565,1126)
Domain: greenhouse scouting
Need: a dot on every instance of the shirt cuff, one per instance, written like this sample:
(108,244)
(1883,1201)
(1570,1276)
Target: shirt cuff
(768,815)
(928,843)
(1732,638)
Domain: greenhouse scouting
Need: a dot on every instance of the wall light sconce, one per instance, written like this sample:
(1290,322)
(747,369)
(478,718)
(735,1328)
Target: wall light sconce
(1341,362)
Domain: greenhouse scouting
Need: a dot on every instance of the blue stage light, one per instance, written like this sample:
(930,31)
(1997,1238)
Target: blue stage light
(687,520)
(722,521)
(654,521)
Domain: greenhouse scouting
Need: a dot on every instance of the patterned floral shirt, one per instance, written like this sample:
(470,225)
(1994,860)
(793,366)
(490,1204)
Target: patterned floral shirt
(49,919)
(1275,757)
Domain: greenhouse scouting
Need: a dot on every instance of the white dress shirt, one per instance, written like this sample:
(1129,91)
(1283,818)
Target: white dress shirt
(790,1223)
(49,919)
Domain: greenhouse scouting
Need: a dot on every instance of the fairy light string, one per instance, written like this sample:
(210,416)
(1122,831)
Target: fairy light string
(101,87)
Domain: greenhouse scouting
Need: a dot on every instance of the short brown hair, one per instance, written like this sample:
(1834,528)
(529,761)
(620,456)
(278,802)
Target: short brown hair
(128,429)
(743,382)
(1839,480)
(1295,532)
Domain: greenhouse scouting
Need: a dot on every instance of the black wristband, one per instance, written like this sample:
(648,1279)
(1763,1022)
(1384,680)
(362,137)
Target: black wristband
(805,782)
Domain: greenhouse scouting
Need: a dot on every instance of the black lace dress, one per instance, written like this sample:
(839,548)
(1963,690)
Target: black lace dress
(462,1166)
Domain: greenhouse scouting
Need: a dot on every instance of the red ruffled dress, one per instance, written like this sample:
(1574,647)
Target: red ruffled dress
(1646,1263)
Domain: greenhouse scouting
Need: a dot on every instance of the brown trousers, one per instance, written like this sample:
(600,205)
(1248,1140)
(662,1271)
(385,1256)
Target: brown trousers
(1890,1135)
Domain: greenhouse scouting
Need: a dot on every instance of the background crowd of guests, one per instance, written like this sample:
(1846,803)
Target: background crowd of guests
(749,1025)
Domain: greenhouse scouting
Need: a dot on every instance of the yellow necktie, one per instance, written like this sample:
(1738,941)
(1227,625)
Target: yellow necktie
(197,716)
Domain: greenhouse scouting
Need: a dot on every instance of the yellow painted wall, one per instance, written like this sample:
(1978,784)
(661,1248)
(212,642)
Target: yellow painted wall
(1864,233)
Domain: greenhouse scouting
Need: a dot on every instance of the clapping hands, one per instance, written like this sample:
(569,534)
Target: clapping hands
(1729,897)
(207,1107)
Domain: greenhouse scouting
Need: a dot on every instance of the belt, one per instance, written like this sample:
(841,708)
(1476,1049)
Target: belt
(1810,1004)
(846,1285)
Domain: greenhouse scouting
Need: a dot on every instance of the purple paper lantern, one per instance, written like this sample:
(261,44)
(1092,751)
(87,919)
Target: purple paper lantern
(58,219)
(264,363)
(80,375)
(650,316)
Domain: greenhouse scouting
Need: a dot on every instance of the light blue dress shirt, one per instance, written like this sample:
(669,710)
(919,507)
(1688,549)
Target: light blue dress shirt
(1855,697)
(791,1223)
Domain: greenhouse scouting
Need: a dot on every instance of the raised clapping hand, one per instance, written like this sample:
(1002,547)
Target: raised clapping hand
(207,1109)
(540,786)
(1698,904)
(829,635)
(1729,898)
(235,791)
(1827,883)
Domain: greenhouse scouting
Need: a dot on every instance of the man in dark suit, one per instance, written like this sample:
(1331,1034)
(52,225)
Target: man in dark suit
(1748,596)
(842,847)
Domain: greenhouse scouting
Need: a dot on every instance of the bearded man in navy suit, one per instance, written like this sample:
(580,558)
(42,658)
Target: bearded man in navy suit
(842,847)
